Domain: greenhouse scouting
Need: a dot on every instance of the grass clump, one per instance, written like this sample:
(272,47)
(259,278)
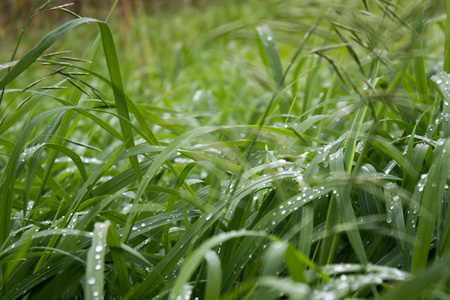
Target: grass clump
(298,152)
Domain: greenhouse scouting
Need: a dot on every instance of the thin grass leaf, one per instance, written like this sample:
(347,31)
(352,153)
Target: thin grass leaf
(194,260)
(447,40)
(345,206)
(214,276)
(394,208)
(442,83)
(118,257)
(31,56)
(432,201)
(270,55)
(117,86)
(96,262)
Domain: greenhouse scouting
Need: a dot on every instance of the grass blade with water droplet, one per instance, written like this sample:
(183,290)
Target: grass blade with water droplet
(95,266)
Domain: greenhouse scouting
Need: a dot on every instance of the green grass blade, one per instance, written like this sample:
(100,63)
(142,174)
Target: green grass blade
(413,288)
(31,56)
(159,161)
(270,55)
(118,257)
(214,276)
(95,266)
(447,40)
(345,207)
(117,86)
(194,260)
(442,84)
(432,200)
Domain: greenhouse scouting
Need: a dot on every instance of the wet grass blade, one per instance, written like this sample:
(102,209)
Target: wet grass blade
(194,260)
(345,207)
(95,266)
(432,201)
(442,83)
(118,257)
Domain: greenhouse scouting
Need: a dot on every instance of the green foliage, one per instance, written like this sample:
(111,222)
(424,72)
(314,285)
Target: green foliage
(184,162)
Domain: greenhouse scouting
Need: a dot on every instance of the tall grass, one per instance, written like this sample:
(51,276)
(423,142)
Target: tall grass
(297,149)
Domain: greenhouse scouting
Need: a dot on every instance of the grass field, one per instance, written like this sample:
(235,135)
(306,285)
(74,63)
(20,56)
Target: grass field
(285,150)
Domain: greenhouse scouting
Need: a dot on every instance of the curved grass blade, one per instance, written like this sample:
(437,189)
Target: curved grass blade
(159,161)
(194,260)
(267,223)
(31,56)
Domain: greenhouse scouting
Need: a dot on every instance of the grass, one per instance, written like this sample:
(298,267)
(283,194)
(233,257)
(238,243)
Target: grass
(297,149)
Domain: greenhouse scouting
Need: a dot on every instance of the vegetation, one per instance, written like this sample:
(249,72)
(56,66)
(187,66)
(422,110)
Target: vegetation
(296,149)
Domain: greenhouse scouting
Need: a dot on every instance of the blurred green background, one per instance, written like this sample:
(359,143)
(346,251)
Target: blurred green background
(14,12)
